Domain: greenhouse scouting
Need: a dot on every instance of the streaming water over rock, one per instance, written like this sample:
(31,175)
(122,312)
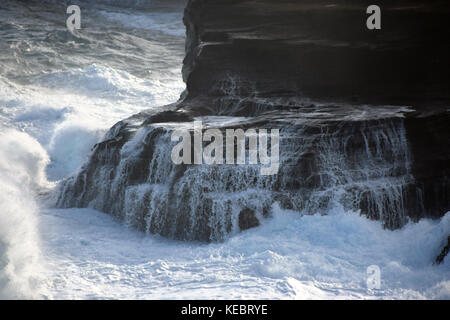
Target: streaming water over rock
(359,165)
(349,154)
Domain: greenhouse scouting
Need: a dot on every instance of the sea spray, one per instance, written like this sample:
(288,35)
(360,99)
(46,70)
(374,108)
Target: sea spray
(22,173)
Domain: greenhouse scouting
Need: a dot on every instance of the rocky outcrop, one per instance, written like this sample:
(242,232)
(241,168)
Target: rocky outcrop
(440,258)
(317,49)
(428,136)
(363,118)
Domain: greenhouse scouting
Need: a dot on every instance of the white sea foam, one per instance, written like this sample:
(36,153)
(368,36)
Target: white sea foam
(22,165)
(69,111)
(169,23)
(290,256)
(66,112)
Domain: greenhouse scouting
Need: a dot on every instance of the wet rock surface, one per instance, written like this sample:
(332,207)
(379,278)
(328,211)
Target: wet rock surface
(248,219)
(318,49)
(363,119)
(443,253)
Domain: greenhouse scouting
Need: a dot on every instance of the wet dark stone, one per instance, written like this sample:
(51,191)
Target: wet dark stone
(429,139)
(304,66)
(168,116)
(443,253)
(319,48)
(248,219)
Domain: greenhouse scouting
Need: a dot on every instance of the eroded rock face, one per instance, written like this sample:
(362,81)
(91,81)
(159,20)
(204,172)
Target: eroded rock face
(317,49)
(363,119)
(360,165)
(429,139)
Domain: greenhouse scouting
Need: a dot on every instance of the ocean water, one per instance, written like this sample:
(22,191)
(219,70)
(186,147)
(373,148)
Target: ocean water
(60,92)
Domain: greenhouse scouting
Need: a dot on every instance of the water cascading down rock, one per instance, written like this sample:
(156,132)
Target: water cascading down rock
(363,119)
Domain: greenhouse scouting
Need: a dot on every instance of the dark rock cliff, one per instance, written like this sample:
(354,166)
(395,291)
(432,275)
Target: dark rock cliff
(319,49)
(363,117)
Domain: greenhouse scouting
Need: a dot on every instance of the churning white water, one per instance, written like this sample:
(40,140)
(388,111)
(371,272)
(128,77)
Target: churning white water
(59,93)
